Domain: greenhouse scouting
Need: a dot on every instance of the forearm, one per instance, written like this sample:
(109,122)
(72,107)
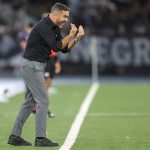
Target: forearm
(72,43)
(65,41)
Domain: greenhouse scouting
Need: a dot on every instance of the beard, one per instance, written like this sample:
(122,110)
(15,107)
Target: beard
(61,24)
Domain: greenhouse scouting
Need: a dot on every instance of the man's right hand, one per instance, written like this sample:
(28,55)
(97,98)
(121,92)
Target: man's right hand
(73,30)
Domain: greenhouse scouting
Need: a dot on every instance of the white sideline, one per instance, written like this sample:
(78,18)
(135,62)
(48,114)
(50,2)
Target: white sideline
(74,130)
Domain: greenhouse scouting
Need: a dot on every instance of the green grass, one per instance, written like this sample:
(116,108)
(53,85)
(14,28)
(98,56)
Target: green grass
(114,132)
(103,127)
(65,104)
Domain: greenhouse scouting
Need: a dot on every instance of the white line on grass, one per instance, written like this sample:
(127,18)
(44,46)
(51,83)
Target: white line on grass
(74,130)
(119,114)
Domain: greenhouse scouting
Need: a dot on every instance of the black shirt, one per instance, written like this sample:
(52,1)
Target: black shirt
(44,37)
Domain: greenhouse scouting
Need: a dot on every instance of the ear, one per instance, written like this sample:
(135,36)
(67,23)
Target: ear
(55,15)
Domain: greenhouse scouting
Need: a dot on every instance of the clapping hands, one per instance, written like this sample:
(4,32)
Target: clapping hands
(79,31)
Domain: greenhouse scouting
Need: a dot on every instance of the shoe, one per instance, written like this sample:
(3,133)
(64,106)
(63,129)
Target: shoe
(44,142)
(17,141)
(50,114)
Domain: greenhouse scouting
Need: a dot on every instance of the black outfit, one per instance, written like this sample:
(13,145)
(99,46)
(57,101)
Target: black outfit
(50,67)
(44,37)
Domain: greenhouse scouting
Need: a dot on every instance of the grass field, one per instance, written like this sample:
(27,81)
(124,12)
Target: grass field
(118,119)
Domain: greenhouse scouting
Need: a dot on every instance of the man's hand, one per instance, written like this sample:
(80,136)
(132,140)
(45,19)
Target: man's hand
(72,33)
(65,41)
(73,30)
(80,33)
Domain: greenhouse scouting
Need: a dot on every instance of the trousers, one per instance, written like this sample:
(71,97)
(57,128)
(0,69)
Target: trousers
(33,75)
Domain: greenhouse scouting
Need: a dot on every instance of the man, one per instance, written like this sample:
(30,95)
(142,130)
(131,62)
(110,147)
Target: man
(43,37)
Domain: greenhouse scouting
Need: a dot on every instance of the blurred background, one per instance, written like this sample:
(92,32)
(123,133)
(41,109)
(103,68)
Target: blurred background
(114,51)
(116,42)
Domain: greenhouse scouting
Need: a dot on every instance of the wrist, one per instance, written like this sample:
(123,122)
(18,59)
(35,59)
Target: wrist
(76,40)
(71,35)
(78,37)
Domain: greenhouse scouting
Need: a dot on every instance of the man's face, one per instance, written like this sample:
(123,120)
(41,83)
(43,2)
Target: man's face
(62,18)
